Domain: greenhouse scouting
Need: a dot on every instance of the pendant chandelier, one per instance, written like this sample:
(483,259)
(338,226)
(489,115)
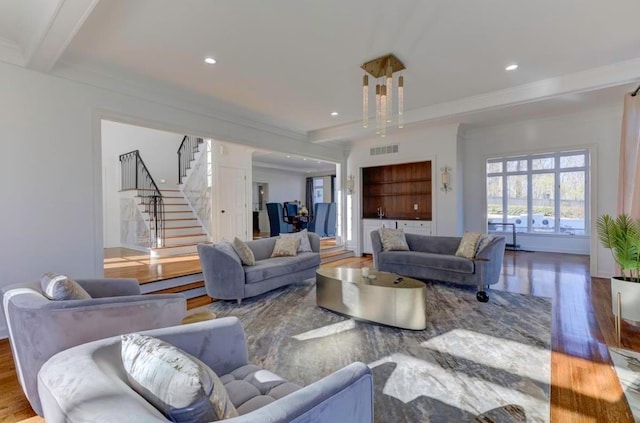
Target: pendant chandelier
(382,69)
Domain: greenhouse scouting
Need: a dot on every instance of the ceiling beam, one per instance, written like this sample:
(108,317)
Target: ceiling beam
(589,80)
(52,40)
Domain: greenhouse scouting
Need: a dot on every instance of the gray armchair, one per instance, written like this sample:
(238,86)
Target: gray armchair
(88,382)
(40,328)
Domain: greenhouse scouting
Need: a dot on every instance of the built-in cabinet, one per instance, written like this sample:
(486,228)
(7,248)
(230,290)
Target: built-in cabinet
(419,227)
(401,191)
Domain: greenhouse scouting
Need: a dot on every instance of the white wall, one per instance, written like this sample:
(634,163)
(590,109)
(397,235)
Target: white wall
(158,151)
(50,128)
(416,144)
(283,185)
(598,130)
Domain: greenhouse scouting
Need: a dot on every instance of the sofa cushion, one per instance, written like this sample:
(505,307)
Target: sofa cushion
(286,247)
(393,240)
(60,288)
(250,388)
(278,266)
(243,251)
(303,235)
(428,260)
(179,385)
(468,245)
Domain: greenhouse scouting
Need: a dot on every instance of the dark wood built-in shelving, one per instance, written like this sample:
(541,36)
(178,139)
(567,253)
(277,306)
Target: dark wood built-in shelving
(397,188)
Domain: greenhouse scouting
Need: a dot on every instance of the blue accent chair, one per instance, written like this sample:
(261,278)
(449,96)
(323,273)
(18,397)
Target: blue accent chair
(291,209)
(330,228)
(276,219)
(319,222)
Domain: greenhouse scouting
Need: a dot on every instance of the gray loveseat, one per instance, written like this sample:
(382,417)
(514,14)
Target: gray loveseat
(433,258)
(88,382)
(226,278)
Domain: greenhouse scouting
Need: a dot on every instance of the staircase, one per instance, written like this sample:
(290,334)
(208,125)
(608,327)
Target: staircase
(182,230)
(331,254)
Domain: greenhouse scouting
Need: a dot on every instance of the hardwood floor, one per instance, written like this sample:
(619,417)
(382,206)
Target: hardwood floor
(584,388)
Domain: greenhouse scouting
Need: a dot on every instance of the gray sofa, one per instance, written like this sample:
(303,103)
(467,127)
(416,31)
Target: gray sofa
(40,328)
(88,382)
(226,278)
(433,258)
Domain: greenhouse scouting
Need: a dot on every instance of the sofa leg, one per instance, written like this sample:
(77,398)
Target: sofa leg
(239,300)
(482,296)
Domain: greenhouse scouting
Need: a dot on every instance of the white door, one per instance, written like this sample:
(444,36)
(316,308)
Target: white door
(232,203)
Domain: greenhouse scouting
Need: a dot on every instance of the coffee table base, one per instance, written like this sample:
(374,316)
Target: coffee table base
(393,306)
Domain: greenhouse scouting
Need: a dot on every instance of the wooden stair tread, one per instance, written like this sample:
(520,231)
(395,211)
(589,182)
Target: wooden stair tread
(174,220)
(190,244)
(183,236)
(180,288)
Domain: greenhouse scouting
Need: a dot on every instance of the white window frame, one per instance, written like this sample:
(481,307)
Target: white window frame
(557,170)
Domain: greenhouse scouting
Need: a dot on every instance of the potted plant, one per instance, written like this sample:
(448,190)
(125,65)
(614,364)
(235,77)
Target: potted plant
(622,236)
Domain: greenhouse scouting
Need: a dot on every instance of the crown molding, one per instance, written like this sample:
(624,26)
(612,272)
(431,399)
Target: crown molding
(579,82)
(10,52)
(271,166)
(55,36)
(172,96)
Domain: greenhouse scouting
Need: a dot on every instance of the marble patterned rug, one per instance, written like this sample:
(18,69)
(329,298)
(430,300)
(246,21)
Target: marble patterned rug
(627,365)
(475,362)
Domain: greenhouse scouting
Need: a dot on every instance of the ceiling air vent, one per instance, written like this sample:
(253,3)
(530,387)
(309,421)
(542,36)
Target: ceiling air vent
(385,149)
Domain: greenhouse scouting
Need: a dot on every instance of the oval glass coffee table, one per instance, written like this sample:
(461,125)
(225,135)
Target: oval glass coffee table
(385,298)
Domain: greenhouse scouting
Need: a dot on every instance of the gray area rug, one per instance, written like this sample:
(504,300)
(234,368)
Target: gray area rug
(475,362)
(627,365)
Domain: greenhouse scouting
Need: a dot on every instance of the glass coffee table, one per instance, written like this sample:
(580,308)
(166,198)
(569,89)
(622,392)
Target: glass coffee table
(382,297)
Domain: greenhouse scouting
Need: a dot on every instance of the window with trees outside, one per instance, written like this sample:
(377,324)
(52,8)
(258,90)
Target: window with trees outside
(539,193)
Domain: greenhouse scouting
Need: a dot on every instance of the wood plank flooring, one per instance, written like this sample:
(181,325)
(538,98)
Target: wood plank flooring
(585,387)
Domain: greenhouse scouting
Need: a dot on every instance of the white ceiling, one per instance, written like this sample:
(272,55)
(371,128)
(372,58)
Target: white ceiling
(292,62)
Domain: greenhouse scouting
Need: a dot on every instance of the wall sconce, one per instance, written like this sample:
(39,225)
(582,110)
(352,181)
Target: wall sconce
(445,178)
(351,184)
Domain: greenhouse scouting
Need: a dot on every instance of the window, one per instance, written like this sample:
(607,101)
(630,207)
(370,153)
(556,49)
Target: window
(539,193)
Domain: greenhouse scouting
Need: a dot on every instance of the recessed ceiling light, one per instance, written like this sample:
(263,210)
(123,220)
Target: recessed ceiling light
(308,171)
(304,160)
(288,157)
(511,67)
(334,113)
(210,60)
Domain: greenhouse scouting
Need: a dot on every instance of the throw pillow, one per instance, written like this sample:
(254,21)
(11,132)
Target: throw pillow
(227,247)
(393,240)
(244,252)
(484,241)
(182,387)
(305,244)
(468,245)
(60,288)
(286,247)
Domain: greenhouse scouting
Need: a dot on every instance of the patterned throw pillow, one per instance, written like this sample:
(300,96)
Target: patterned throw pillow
(59,288)
(286,247)
(468,245)
(182,387)
(485,240)
(244,252)
(393,240)
(303,235)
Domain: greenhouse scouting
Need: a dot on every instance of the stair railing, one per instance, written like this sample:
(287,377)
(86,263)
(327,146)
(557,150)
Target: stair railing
(186,154)
(134,175)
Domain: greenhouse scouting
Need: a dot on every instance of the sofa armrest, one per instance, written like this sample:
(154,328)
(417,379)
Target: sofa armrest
(376,246)
(110,287)
(494,253)
(343,396)
(223,275)
(314,240)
